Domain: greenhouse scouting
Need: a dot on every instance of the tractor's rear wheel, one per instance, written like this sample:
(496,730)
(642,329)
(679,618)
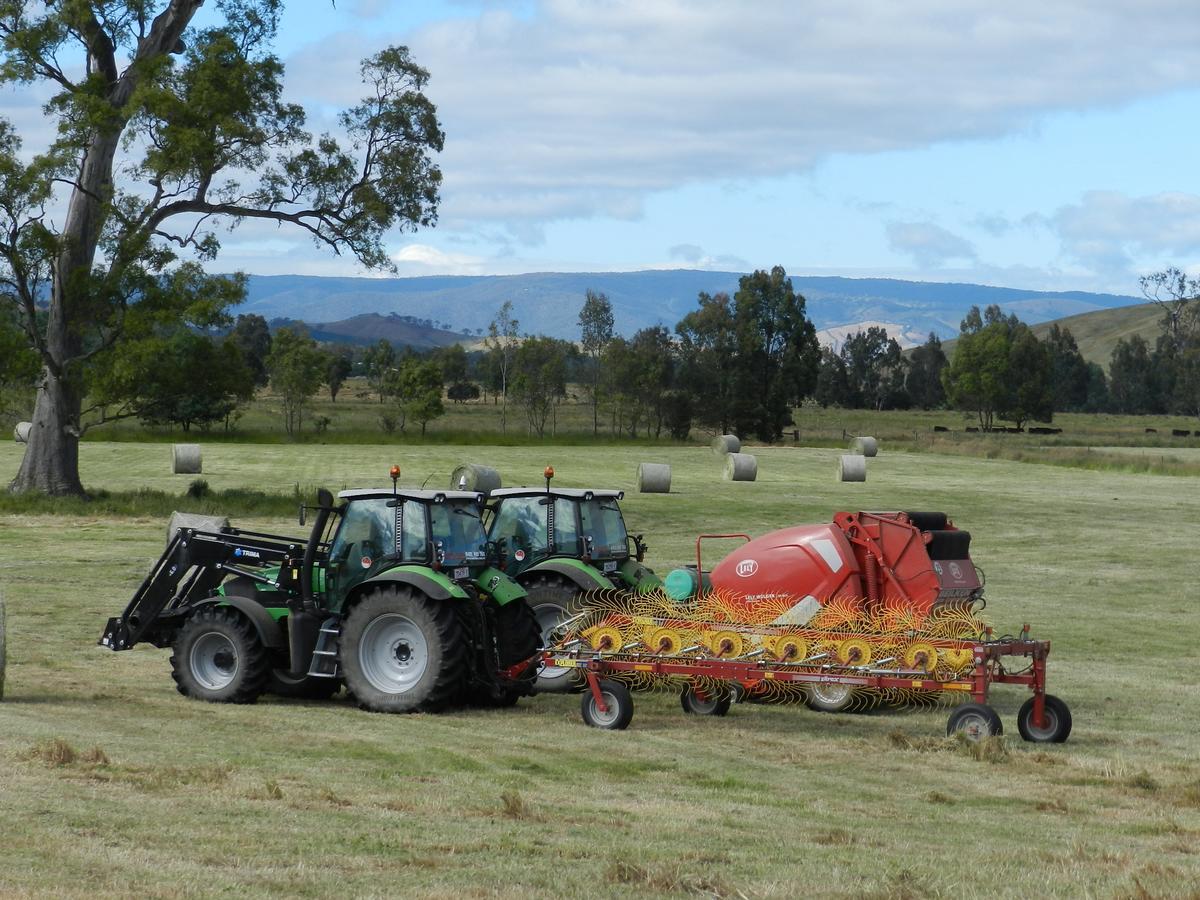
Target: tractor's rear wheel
(553,601)
(402,652)
(284,684)
(219,657)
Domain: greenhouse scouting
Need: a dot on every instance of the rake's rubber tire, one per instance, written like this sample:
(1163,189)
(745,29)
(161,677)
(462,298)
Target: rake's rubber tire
(975,722)
(281,683)
(708,706)
(620,707)
(517,639)
(1058,721)
(552,600)
(830,698)
(218,657)
(402,652)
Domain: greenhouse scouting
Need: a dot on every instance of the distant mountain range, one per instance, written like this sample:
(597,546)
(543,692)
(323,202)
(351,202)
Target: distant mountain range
(447,309)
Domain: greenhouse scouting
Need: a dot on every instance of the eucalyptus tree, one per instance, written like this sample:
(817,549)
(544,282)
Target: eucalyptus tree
(166,132)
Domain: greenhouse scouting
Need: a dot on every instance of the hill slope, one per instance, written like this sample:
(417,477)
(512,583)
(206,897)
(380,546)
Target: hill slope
(549,302)
(1097,332)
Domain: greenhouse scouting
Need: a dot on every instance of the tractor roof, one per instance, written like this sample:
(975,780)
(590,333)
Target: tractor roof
(567,493)
(411,494)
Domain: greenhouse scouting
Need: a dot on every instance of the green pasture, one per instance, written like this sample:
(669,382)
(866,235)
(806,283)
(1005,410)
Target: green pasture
(114,785)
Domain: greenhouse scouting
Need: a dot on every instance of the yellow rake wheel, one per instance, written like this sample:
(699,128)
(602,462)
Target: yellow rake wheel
(786,647)
(604,637)
(958,659)
(726,643)
(921,655)
(663,640)
(854,652)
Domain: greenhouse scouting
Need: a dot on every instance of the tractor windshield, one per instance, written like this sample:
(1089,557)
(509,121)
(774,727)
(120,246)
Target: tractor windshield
(458,532)
(603,528)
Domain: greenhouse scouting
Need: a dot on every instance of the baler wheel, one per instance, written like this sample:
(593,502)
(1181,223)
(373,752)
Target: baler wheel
(975,722)
(619,702)
(714,703)
(830,697)
(1057,717)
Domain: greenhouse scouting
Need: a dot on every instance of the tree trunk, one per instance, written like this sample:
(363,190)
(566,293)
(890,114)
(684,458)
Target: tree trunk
(51,461)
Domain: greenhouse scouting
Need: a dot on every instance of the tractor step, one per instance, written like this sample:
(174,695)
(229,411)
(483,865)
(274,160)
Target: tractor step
(324,659)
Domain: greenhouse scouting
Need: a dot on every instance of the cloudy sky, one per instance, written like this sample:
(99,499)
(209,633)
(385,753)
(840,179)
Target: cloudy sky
(1027,144)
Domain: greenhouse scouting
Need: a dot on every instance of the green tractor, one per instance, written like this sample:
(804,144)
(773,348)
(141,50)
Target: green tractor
(562,544)
(394,594)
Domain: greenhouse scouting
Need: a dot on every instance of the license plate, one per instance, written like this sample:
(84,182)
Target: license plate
(610,566)
(462,572)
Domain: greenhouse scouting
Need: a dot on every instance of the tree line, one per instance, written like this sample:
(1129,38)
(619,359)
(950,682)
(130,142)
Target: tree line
(739,363)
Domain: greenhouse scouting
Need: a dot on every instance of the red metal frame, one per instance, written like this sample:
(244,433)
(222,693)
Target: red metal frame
(988,670)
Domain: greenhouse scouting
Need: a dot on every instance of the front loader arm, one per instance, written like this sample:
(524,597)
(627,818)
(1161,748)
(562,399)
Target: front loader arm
(189,570)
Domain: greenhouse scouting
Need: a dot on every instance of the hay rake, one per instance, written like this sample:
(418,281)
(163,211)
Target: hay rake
(715,651)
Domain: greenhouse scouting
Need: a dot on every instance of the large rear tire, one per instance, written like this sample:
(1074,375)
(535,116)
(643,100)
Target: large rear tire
(552,601)
(218,657)
(402,652)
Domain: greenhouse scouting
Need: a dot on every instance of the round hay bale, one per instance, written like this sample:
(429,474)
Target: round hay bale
(197,521)
(865,446)
(3,656)
(474,477)
(185,459)
(21,432)
(726,443)
(741,467)
(654,478)
(852,467)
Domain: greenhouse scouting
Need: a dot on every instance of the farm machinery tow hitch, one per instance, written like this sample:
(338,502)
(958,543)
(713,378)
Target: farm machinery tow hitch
(896,625)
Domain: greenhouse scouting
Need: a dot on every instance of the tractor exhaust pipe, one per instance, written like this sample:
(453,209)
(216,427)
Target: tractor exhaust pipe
(324,508)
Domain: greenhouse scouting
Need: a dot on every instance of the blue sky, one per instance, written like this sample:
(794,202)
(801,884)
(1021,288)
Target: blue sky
(1025,144)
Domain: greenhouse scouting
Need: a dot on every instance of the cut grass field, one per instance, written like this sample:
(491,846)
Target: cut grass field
(114,785)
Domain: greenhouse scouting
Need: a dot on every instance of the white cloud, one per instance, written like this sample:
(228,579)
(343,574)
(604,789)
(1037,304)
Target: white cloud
(584,108)
(928,244)
(1107,228)
(422,259)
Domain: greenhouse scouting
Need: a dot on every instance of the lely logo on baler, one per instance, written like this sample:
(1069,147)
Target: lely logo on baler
(747,567)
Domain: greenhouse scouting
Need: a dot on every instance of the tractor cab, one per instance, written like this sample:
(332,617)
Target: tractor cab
(532,525)
(374,531)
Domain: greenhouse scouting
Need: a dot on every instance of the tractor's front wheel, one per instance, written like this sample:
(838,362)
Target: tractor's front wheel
(553,601)
(219,657)
(402,652)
